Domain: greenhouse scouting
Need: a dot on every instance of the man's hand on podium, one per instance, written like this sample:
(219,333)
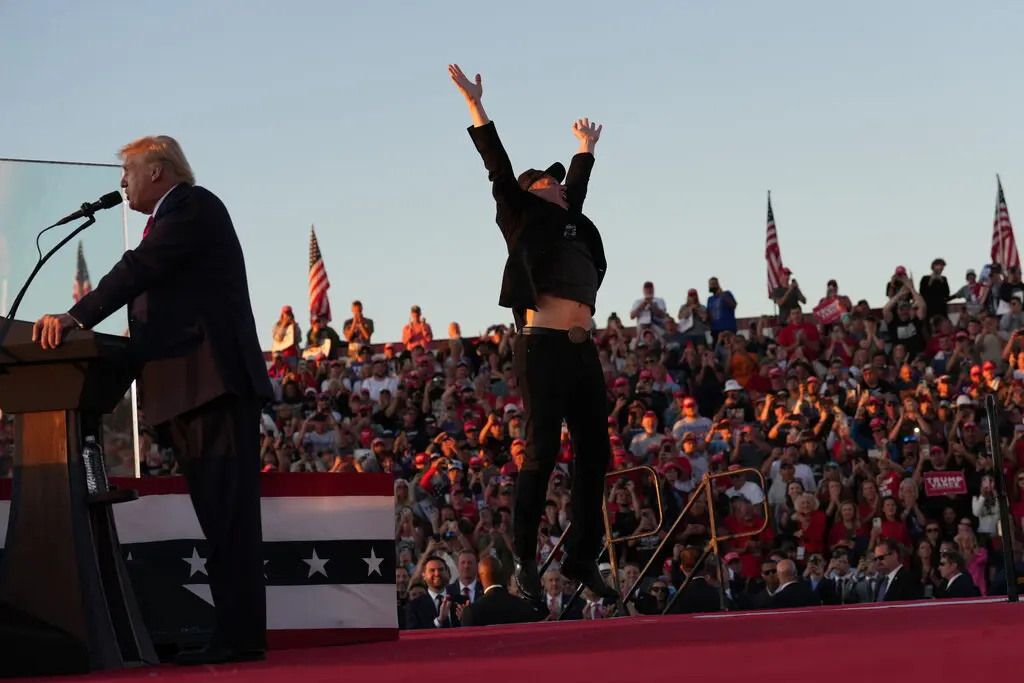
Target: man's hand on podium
(50,329)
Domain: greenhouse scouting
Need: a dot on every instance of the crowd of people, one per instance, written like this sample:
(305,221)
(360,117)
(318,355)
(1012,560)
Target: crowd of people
(856,435)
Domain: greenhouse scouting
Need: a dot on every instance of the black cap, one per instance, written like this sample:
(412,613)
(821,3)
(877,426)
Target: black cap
(529,177)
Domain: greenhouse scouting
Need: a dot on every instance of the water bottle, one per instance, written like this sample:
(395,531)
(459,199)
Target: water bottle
(87,457)
(95,468)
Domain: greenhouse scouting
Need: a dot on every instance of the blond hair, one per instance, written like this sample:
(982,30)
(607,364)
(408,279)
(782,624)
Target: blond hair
(162,149)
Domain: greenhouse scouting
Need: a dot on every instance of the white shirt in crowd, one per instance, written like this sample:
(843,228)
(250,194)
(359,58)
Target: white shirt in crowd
(644,317)
(374,386)
(321,443)
(751,491)
(802,473)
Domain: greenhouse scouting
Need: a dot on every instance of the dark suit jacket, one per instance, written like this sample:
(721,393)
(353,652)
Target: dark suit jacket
(698,597)
(454,590)
(421,612)
(191,318)
(795,595)
(903,587)
(575,612)
(962,587)
(530,224)
(838,592)
(496,606)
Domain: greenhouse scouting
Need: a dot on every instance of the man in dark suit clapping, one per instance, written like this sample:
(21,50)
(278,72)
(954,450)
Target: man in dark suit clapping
(496,606)
(467,583)
(957,584)
(204,381)
(436,608)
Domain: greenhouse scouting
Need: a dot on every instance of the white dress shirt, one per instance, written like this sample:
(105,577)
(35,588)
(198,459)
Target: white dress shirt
(156,207)
(891,576)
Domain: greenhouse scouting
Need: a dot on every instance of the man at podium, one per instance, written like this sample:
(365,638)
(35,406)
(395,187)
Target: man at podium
(204,381)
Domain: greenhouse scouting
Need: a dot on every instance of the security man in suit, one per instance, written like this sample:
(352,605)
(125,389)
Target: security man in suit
(957,583)
(496,606)
(896,584)
(204,381)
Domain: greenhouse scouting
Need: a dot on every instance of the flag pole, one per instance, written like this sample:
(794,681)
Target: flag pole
(134,390)
(775,306)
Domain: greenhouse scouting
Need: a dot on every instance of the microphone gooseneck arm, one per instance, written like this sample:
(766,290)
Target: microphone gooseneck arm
(88,211)
(5,328)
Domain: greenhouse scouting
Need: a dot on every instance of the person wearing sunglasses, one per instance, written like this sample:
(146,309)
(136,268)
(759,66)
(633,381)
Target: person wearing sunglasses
(957,583)
(897,585)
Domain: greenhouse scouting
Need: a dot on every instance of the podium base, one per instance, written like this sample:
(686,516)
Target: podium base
(31,647)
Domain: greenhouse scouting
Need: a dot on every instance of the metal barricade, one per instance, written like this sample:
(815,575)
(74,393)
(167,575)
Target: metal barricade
(712,546)
(610,542)
(706,488)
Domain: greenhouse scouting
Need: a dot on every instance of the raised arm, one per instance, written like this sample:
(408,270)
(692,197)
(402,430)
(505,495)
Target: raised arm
(505,186)
(578,176)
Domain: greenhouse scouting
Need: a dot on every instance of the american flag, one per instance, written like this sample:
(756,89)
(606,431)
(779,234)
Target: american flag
(771,252)
(81,286)
(1004,246)
(319,283)
(328,558)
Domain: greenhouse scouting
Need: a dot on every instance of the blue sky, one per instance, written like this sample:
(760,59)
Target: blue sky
(879,127)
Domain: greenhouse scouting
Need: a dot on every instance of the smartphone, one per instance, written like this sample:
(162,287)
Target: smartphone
(877,523)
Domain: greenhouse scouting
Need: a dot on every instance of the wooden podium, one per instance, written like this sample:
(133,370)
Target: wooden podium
(66,603)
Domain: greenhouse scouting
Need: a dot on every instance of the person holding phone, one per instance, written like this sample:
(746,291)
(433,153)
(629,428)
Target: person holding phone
(555,266)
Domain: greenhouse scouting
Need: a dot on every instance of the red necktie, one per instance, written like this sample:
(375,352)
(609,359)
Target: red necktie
(149,224)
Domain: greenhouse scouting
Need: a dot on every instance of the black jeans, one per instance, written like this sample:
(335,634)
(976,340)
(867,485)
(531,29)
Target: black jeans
(561,380)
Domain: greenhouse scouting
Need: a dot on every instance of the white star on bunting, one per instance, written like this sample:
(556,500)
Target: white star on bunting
(195,563)
(316,565)
(373,563)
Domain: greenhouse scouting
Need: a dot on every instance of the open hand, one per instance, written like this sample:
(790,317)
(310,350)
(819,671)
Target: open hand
(584,131)
(50,329)
(471,90)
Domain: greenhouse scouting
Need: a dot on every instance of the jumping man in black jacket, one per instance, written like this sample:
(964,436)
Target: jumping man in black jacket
(555,266)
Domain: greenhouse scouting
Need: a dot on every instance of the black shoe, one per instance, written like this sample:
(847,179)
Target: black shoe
(589,575)
(528,580)
(218,654)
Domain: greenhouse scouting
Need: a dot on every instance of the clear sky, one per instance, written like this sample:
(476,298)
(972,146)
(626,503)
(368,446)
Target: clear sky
(878,126)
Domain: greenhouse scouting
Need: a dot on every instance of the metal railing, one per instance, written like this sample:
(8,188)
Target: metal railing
(712,546)
(1005,525)
(610,541)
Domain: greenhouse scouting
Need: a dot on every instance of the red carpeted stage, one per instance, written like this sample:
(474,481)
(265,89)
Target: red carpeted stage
(960,641)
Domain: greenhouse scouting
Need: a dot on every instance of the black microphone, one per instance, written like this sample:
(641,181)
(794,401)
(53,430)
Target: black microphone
(107,201)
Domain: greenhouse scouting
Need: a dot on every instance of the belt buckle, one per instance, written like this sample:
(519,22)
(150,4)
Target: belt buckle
(577,335)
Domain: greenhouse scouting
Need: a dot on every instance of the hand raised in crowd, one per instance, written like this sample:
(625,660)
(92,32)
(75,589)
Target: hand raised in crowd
(471,90)
(583,130)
